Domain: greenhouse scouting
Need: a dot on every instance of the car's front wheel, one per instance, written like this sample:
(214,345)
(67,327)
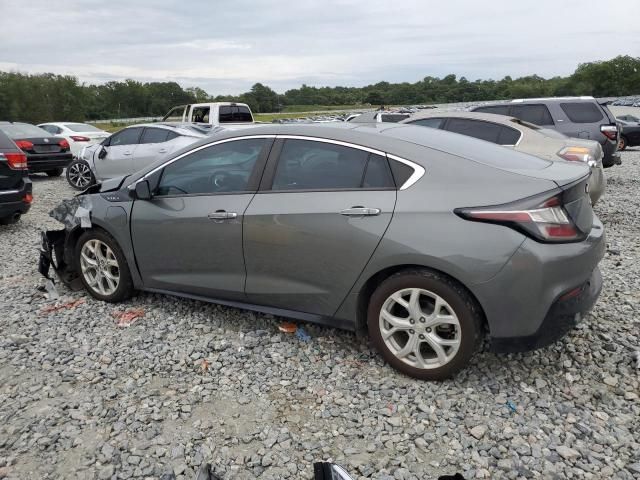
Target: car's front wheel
(102,267)
(79,175)
(425,324)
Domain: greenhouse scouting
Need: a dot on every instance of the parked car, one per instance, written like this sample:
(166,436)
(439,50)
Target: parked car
(579,117)
(45,152)
(15,186)
(216,113)
(629,134)
(525,137)
(421,237)
(79,135)
(626,102)
(129,150)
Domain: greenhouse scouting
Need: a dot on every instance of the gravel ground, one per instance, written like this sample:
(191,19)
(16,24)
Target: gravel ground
(191,382)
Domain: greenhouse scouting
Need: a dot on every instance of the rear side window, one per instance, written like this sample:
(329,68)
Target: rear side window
(428,122)
(175,114)
(401,172)
(378,173)
(234,113)
(200,115)
(171,135)
(310,165)
(537,114)
(495,109)
(474,128)
(586,112)
(508,136)
(154,135)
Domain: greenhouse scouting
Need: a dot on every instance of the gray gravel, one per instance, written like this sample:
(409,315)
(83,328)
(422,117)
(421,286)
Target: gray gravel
(191,382)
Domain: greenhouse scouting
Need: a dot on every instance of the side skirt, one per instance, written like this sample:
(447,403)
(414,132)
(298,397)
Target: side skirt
(280,312)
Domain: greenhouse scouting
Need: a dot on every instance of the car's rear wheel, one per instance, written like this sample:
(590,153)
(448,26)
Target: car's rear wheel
(102,267)
(79,175)
(425,325)
(56,172)
(622,143)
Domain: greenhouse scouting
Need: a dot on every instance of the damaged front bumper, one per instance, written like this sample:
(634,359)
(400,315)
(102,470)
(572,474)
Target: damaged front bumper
(56,249)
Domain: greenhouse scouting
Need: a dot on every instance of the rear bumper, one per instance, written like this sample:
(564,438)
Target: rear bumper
(47,161)
(519,300)
(562,317)
(13,201)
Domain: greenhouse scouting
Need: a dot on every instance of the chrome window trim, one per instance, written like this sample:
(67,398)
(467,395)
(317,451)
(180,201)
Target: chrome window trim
(201,147)
(418,170)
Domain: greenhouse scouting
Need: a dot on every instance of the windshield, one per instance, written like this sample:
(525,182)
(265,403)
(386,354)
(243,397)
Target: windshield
(23,130)
(81,127)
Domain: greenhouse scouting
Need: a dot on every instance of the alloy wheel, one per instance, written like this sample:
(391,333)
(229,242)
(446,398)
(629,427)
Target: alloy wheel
(99,267)
(420,328)
(80,175)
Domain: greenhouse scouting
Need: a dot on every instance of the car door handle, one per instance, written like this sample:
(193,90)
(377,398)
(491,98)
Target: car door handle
(162,150)
(127,153)
(222,215)
(360,211)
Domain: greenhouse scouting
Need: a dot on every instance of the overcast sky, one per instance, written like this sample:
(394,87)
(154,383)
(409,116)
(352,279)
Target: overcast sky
(226,46)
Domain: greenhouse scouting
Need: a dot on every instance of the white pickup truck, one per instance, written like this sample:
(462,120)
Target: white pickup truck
(217,113)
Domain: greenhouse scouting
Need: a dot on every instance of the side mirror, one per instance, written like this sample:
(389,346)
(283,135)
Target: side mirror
(143,191)
(102,153)
(329,471)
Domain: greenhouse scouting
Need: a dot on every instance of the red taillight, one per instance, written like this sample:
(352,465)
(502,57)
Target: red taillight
(78,138)
(610,131)
(63,144)
(24,144)
(28,198)
(545,221)
(17,161)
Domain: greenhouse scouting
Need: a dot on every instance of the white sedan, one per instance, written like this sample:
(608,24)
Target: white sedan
(79,135)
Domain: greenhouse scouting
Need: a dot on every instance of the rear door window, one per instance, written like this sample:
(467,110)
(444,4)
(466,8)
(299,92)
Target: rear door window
(378,174)
(495,109)
(154,135)
(537,114)
(428,122)
(474,128)
(508,136)
(586,112)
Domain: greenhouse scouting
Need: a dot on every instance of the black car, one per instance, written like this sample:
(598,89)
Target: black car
(629,134)
(15,186)
(579,117)
(45,153)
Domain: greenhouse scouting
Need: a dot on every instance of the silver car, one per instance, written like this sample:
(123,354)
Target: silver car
(130,150)
(523,136)
(422,238)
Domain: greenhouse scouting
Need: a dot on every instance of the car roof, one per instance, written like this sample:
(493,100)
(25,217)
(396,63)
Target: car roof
(488,117)
(179,127)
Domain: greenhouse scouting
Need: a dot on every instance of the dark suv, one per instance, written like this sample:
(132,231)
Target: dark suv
(579,117)
(15,186)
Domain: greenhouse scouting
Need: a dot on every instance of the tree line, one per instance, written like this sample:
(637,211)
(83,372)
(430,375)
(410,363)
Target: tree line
(48,97)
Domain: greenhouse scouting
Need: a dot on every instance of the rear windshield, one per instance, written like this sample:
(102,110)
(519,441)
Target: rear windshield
(393,117)
(235,113)
(23,130)
(495,109)
(586,112)
(81,127)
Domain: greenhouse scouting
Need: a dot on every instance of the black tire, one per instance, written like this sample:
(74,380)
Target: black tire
(124,288)
(73,175)
(10,219)
(56,172)
(622,143)
(466,309)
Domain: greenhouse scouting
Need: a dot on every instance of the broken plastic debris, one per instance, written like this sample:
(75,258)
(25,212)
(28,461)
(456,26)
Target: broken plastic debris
(205,365)
(61,306)
(52,291)
(288,327)
(73,212)
(302,334)
(126,318)
(512,406)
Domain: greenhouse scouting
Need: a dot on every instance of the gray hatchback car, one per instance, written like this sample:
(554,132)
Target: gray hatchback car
(420,237)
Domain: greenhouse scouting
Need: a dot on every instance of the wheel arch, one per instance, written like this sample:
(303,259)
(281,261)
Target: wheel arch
(370,285)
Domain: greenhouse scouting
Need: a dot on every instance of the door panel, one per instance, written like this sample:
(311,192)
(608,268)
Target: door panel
(178,247)
(119,161)
(302,254)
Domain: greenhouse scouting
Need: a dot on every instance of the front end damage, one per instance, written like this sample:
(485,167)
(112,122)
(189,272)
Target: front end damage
(57,247)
